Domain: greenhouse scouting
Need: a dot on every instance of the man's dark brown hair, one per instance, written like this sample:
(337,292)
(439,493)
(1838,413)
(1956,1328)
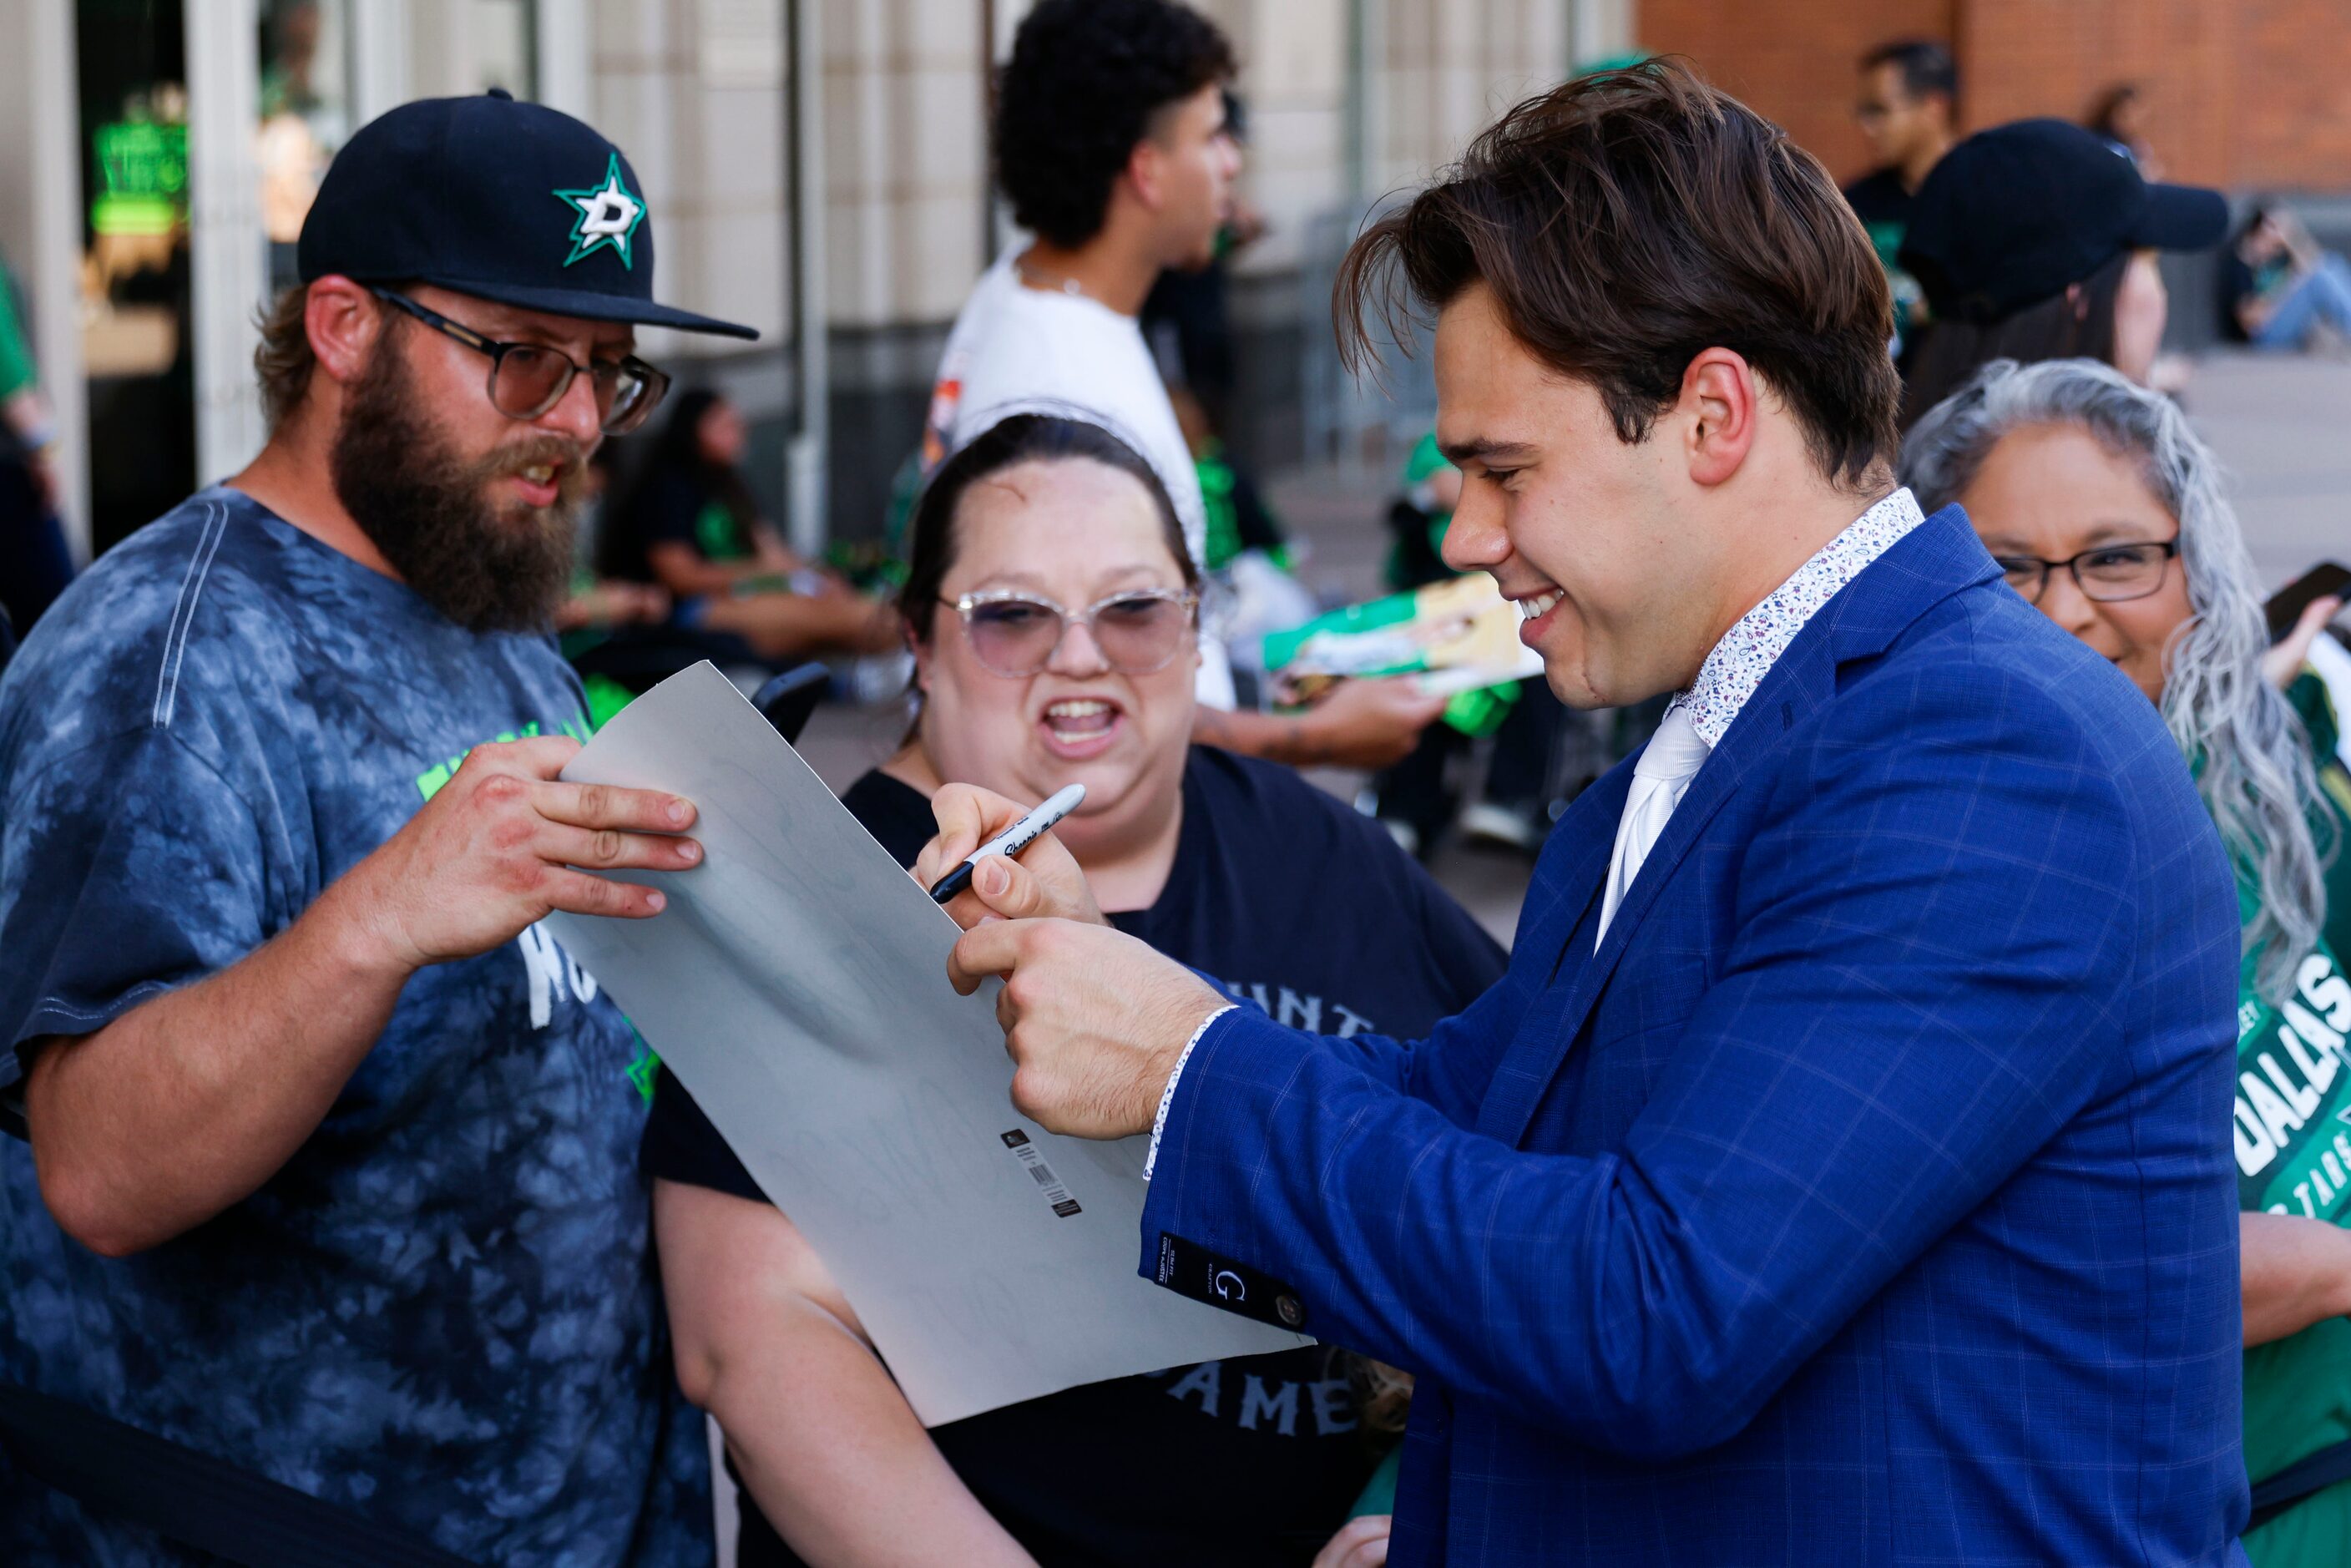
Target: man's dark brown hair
(1630,219)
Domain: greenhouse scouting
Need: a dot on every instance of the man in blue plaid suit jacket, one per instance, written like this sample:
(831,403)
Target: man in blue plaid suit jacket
(1840,1174)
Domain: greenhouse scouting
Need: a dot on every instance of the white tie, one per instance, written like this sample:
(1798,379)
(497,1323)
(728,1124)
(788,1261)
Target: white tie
(1674,754)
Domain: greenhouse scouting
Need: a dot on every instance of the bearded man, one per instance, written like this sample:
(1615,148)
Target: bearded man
(327,1235)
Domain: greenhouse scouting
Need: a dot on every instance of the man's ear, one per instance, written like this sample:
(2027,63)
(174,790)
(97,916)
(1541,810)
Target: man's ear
(344,322)
(1718,406)
(1145,173)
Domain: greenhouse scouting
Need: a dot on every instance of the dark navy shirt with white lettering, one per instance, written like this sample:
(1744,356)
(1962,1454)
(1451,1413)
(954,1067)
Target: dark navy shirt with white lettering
(441,1311)
(1295,905)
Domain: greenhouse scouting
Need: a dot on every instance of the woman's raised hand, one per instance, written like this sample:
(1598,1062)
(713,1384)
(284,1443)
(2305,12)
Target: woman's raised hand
(2284,662)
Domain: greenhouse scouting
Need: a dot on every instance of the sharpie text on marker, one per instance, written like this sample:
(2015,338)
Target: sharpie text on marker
(1011,841)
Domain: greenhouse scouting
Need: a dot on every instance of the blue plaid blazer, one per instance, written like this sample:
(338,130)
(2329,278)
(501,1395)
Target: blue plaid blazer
(1865,1197)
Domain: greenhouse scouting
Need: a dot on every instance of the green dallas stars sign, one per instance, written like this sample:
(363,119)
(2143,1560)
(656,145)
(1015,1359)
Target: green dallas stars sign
(607,215)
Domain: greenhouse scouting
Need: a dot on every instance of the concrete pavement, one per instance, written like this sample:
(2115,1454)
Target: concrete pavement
(2281,424)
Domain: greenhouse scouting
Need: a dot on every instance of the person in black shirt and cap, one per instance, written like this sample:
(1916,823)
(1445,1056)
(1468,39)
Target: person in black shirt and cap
(2037,241)
(329,1245)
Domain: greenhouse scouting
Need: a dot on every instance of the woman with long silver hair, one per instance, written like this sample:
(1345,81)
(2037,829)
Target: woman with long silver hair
(2106,510)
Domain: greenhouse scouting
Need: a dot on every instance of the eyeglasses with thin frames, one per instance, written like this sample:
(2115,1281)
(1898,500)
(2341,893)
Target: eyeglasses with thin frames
(2108,574)
(1016,634)
(528,379)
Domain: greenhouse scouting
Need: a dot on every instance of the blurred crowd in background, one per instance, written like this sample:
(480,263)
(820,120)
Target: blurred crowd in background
(2054,295)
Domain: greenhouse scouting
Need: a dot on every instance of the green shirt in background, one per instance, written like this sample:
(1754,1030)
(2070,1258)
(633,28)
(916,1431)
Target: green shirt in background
(16,373)
(2307,697)
(2293,1135)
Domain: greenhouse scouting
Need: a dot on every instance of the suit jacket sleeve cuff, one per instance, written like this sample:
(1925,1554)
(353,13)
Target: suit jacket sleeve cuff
(1215,1103)
(1182,1250)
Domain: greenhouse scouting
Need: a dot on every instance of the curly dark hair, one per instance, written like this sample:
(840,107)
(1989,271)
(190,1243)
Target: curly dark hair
(1085,80)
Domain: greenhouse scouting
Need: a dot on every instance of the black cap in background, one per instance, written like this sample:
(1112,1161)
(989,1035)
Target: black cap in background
(510,202)
(2014,215)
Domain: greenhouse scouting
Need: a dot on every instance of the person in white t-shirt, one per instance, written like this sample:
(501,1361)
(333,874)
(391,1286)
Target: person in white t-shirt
(1111,148)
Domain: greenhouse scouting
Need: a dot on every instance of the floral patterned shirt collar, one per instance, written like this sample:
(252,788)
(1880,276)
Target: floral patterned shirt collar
(1751,646)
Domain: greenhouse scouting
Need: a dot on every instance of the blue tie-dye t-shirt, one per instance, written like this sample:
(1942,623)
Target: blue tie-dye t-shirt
(442,1312)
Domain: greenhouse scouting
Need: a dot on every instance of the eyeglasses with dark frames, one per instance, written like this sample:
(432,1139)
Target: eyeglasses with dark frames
(1016,634)
(2109,574)
(528,379)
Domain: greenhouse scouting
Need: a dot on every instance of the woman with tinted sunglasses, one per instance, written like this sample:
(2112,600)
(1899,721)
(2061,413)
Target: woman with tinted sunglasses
(1053,612)
(2105,511)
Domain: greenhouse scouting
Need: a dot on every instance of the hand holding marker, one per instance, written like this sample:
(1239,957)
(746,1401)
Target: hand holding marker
(1011,841)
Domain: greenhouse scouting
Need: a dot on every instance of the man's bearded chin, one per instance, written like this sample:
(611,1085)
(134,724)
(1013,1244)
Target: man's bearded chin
(487,567)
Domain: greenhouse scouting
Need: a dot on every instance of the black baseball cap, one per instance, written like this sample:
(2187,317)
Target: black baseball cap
(510,202)
(2014,215)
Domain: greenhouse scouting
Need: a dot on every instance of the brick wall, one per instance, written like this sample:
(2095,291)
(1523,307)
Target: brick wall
(2292,125)
(1793,60)
(2246,94)
(2055,57)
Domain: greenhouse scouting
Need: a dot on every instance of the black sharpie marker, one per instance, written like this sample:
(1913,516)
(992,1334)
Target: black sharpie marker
(1011,841)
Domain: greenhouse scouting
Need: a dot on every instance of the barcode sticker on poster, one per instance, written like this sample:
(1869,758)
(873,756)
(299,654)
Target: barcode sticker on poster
(1041,1173)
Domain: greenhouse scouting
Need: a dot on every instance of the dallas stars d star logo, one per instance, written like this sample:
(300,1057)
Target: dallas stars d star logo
(608,216)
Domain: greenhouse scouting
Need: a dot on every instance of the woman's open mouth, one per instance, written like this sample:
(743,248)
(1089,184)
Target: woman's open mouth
(1077,728)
